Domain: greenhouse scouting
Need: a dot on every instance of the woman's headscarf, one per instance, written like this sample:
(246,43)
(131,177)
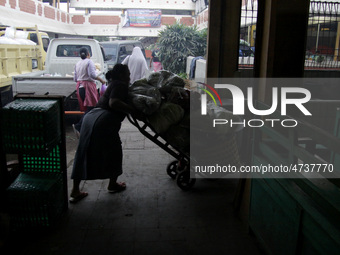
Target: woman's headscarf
(137,64)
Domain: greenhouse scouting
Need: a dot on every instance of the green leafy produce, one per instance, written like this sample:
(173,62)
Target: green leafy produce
(168,114)
(172,81)
(139,84)
(144,97)
(154,78)
(180,96)
(146,104)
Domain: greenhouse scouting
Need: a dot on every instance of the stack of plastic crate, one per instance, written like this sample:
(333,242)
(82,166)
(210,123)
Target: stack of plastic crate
(31,128)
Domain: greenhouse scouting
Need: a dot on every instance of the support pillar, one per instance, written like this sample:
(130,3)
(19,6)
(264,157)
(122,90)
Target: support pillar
(283,38)
(337,44)
(223,38)
(280,41)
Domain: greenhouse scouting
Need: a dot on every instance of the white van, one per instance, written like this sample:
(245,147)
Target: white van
(57,78)
(63,54)
(116,51)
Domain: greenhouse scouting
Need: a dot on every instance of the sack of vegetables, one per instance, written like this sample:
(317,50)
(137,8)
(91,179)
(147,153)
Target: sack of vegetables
(144,97)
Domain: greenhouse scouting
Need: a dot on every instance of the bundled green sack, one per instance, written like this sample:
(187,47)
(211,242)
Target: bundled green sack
(173,81)
(144,97)
(140,87)
(140,83)
(179,135)
(164,81)
(180,96)
(154,78)
(146,104)
(168,114)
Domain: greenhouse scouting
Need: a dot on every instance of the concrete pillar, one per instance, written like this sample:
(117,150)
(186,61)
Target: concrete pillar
(223,38)
(282,40)
(281,35)
(337,44)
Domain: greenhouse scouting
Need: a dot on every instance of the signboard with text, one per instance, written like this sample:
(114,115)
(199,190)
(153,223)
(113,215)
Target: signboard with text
(142,18)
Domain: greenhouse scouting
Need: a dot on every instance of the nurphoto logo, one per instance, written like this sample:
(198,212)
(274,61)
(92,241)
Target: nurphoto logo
(238,102)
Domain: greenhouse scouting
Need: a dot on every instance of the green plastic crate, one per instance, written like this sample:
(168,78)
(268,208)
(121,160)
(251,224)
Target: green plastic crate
(50,163)
(35,201)
(30,126)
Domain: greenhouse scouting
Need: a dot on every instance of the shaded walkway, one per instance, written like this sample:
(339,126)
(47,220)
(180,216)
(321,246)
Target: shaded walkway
(153,216)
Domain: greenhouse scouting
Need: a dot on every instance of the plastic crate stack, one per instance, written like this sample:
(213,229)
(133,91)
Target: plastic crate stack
(31,128)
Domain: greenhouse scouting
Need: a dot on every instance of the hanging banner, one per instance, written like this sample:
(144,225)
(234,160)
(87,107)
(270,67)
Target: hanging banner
(142,18)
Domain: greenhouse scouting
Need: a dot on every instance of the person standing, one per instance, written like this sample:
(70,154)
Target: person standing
(155,60)
(137,64)
(87,94)
(99,154)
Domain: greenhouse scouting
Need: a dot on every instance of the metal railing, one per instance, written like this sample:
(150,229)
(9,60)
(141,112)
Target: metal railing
(322,46)
(323,35)
(247,34)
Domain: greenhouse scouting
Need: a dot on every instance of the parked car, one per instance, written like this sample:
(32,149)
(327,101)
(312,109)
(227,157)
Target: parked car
(245,51)
(116,51)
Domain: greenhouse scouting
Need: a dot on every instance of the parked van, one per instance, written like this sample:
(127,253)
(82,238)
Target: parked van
(116,51)
(57,78)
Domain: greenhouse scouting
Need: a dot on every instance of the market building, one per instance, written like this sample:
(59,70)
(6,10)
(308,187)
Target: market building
(292,207)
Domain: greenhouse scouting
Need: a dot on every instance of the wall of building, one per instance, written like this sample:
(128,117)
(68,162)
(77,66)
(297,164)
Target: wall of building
(112,25)
(134,4)
(202,19)
(28,13)
(33,12)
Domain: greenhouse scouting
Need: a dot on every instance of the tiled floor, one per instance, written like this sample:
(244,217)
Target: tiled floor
(153,215)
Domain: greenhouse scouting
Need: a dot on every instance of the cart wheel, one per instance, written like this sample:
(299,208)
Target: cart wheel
(172,169)
(184,181)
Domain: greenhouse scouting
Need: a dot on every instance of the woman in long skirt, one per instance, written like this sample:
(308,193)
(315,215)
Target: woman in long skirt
(85,76)
(99,153)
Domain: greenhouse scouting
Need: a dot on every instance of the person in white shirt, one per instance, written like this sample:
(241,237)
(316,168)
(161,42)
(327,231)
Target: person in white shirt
(87,93)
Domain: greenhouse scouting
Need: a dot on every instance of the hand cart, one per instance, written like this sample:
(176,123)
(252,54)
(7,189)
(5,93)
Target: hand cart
(179,169)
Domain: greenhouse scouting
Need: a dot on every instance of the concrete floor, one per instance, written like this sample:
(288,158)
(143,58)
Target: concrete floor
(152,216)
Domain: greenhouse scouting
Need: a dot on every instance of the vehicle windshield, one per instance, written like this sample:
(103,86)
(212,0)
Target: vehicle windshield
(110,51)
(71,50)
(46,42)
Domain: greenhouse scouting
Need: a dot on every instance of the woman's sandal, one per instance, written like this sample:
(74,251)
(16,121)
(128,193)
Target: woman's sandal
(77,198)
(119,186)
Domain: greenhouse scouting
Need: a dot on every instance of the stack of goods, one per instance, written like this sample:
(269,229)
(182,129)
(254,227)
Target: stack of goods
(164,99)
(32,128)
(165,103)
(13,36)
